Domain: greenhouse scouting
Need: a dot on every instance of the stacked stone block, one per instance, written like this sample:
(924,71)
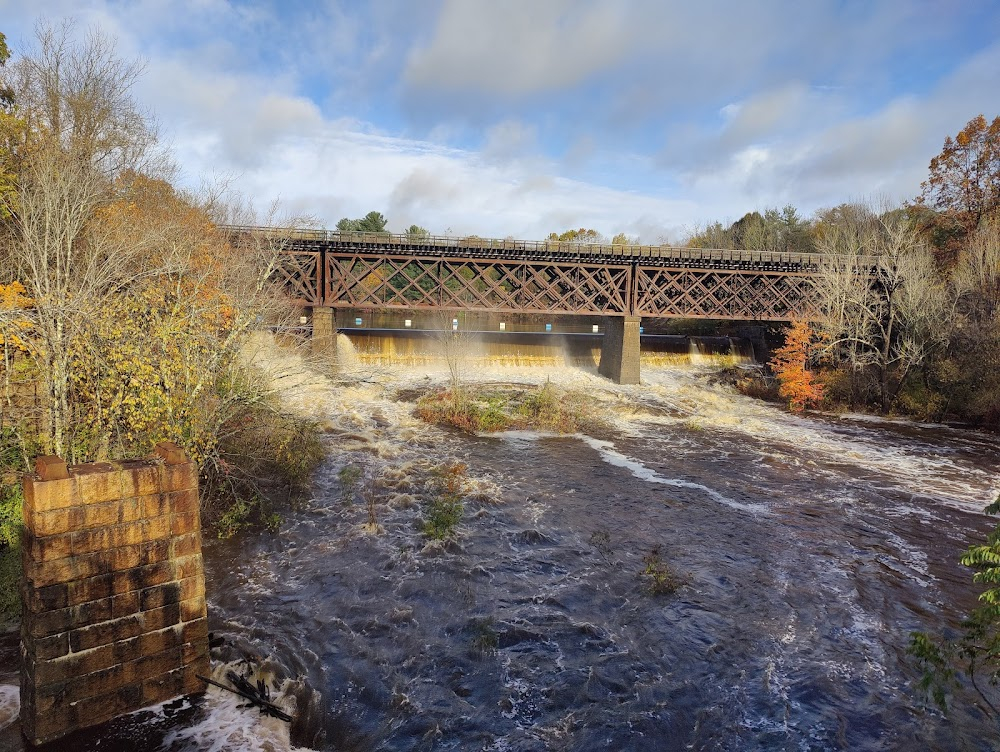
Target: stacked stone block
(114,591)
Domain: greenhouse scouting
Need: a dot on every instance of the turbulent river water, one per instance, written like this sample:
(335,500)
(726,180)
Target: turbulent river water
(808,548)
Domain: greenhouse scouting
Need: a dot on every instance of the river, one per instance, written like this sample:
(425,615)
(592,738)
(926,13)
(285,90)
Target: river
(806,550)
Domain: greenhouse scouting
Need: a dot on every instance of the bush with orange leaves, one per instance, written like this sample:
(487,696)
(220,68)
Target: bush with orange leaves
(789,363)
(13,324)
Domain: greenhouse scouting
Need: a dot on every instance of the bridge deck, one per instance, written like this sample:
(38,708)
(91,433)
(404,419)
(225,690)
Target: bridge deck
(543,250)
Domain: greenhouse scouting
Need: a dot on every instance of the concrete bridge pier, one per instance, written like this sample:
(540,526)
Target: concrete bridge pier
(324,333)
(620,350)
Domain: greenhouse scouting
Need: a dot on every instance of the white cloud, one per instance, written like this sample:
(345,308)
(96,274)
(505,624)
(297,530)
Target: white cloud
(245,115)
(347,173)
(518,46)
(510,139)
(829,155)
(760,105)
(766,112)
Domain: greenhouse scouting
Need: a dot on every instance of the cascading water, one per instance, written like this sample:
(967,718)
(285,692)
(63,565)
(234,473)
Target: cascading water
(485,350)
(696,352)
(807,549)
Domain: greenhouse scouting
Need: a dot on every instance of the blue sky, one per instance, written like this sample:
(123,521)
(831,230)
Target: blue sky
(520,117)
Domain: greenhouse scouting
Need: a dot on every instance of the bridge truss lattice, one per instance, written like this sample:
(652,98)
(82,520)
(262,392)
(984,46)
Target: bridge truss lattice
(379,270)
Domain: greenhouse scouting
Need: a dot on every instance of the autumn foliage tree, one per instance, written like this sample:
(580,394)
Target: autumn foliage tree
(579,235)
(622,239)
(798,384)
(130,307)
(963,186)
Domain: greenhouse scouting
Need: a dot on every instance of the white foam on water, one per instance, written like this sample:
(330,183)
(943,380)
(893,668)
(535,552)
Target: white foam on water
(919,467)
(664,409)
(612,456)
(227,727)
(10,704)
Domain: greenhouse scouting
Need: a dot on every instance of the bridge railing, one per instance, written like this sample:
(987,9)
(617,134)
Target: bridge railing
(408,242)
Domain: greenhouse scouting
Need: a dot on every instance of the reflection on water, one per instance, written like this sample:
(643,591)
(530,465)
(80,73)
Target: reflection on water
(811,547)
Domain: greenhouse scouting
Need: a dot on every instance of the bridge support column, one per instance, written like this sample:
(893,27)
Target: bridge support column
(620,350)
(324,334)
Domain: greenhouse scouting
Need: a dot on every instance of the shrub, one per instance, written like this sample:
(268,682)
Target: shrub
(492,416)
(235,518)
(444,511)
(541,404)
(244,513)
(546,408)
(976,650)
(349,477)
(797,384)
(916,399)
(262,454)
(484,638)
(660,578)
(460,409)
(11,501)
(756,385)
(10,582)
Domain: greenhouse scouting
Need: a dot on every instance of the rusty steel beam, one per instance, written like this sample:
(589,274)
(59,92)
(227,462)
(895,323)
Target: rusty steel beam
(723,294)
(299,273)
(383,280)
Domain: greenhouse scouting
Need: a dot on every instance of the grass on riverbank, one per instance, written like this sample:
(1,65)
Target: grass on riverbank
(484,409)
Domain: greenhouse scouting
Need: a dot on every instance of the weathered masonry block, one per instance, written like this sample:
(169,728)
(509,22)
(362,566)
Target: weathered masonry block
(114,590)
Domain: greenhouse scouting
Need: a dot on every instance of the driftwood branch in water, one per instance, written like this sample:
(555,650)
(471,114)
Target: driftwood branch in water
(256,696)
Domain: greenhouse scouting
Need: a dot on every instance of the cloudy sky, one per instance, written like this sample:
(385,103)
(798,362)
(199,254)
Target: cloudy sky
(520,117)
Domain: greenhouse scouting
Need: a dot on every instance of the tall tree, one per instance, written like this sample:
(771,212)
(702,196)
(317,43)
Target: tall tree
(752,232)
(12,129)
(6,93)
(885,307)
(83,130)
(714,235)
(580,235)
(623,239)
(964,180)
(773,231)
(797,235)
(970,375)
(373,221)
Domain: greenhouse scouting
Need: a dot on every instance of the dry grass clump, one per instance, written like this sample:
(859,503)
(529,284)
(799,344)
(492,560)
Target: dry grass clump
(486,410)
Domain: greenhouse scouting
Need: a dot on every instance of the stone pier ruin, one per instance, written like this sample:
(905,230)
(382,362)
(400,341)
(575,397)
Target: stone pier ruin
(114,615)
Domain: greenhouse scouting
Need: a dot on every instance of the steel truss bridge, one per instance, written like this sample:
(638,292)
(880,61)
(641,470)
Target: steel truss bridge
(330,269)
